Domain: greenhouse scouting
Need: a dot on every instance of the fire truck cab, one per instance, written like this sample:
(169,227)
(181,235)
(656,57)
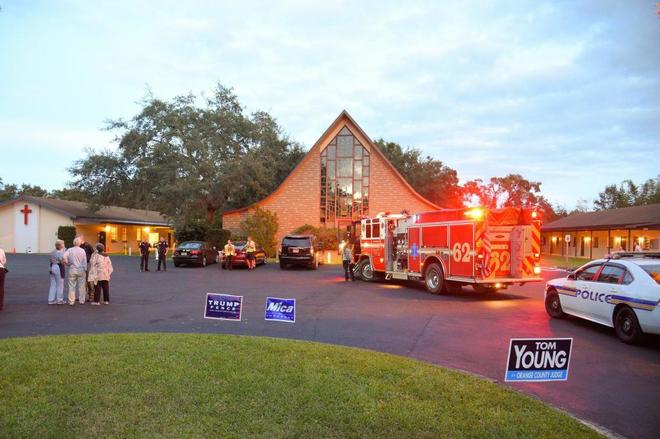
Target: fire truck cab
(447,249)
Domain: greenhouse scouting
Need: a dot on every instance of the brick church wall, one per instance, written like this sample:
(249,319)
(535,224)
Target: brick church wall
(389,193)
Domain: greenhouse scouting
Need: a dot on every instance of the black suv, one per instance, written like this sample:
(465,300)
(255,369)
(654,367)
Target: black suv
(299,250)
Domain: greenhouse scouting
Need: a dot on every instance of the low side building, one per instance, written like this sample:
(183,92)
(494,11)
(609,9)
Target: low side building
(595,234)
(29,225)
(343,177)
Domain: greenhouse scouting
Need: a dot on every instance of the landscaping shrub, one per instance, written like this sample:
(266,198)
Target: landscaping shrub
(326,237)
(66,234)
(262,225)
(191,230)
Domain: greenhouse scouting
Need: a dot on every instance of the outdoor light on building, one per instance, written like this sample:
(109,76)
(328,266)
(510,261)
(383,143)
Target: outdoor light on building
(617,240)
(147,229)
(475,213)
(640,240)
(554,240)
(107,228)
(587,238)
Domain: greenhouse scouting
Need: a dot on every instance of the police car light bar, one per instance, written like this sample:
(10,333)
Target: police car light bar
(619,255)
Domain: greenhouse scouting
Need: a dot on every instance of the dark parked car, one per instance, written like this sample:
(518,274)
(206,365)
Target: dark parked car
(239,258)
(194,252)
(299,250)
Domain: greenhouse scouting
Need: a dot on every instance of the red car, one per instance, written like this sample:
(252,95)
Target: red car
(239,259)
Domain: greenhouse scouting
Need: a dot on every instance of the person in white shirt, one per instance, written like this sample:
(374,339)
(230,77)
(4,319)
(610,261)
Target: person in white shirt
(3,272)
(638,248)
(76,259)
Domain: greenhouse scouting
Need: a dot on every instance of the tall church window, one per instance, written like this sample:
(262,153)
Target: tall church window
(344,178)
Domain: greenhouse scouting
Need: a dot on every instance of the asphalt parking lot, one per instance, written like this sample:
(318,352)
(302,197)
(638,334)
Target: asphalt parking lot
(610,383)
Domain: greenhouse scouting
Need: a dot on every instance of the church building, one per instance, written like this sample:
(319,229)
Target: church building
(342,178)
(29,225)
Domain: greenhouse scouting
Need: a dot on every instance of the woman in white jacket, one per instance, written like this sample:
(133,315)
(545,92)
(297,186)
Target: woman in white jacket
(100,269)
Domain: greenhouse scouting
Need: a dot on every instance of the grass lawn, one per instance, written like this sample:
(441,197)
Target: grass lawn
(560,261)
(194,385)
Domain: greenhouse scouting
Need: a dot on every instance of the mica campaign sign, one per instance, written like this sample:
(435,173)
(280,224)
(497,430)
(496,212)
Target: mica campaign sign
(538,359)
(223,307)
(281,310)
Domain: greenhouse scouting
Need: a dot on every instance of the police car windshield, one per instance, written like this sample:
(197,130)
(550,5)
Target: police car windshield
(653,271)
(192,245)
(296,242)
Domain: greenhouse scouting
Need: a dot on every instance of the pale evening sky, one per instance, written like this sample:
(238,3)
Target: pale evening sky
(564,92)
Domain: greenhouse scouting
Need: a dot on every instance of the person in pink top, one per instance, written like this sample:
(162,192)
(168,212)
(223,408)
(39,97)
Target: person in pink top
(100,270)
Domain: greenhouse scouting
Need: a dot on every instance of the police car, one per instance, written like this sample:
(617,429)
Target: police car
(622,291)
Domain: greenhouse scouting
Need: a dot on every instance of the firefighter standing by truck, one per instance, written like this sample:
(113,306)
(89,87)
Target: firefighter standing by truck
(347,261)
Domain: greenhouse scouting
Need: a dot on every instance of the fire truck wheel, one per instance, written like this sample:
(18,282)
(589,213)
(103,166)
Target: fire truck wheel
(434,279)
(365,271)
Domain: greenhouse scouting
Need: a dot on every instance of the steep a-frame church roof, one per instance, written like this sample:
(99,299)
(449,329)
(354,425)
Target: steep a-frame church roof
(344,119)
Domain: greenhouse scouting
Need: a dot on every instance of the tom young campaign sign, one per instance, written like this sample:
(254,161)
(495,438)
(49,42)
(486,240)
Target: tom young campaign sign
(538,359)
(223,307)
(281,310)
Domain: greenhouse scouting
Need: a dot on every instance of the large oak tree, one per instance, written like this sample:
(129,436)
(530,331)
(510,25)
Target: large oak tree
(189,157)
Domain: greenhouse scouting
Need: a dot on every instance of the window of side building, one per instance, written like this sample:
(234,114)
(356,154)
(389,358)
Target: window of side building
(344,179)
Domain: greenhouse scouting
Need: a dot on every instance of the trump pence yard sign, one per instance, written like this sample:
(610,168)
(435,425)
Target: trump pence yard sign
(223,307)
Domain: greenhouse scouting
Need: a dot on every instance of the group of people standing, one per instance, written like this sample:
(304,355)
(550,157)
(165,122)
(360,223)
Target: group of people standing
(87,270)
(250,249)
(161,249)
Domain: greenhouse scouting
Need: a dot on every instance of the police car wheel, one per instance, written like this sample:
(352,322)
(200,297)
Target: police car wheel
(553,306)
(626,326)
(434,279)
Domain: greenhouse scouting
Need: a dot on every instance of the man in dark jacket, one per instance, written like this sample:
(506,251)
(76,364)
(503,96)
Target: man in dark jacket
(162,247)
(144,254)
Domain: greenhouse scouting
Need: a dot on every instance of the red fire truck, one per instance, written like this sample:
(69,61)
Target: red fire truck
(447,249)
